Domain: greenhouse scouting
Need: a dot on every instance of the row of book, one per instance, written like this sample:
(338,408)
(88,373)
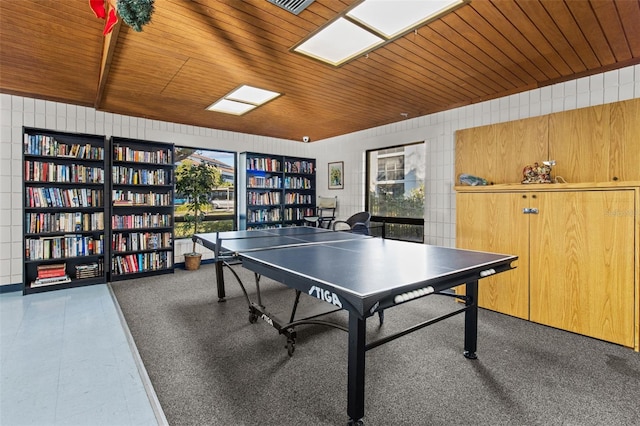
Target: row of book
(49,146)
(56,273)
(63,247)
(37,171)
(264,215)
(59,197)
(137,241)
(263,164)
(125,153)
(264,182)
(130,198)
(297,198)
(263,198)
(299,167)
(131,176)
(63,222)
(297,214)
(90,270)
(141,262)
(144,220)
(297,183)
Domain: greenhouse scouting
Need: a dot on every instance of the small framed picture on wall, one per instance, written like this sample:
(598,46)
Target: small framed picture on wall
(336,175)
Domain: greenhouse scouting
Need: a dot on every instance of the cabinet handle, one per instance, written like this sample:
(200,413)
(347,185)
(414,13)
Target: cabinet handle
(530,210)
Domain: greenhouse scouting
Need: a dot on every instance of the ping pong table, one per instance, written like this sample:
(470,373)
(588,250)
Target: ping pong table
(360,274)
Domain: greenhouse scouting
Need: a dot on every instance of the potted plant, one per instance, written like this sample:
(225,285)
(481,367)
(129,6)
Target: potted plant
(195,182)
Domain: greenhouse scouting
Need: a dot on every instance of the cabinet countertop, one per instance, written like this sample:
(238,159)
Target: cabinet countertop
(548,186)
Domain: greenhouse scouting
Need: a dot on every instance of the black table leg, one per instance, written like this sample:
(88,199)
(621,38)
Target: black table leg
(355,374)
(220,281)
(471,321)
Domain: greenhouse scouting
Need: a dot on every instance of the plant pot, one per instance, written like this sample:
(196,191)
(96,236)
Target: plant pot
(192,261)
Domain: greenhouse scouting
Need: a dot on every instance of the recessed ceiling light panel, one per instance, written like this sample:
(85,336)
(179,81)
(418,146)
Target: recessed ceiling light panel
(392,18)
(370,24)
(231,107)
(338,42)
(252,95)
(243,99)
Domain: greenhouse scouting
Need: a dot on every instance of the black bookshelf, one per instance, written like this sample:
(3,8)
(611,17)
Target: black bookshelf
(64,210)
(275,190)
(141,208)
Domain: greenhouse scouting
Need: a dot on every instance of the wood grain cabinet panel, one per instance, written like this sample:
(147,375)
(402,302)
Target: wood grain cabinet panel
(579,143)
(624,151)
(577,256)
(524,142)
(499,152)
(494,222)
(582,263)
(476,152)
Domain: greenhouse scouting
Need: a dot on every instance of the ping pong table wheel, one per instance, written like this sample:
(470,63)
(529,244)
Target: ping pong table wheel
(355,422)
(470,355)
(253,317)
(291,346)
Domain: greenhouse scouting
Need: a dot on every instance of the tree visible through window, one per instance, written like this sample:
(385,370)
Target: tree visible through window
(395,193)
(219,213)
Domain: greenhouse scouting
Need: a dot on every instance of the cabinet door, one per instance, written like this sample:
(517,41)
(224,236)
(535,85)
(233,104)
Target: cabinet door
(520,142)
(579,143)
(494,222)
(582,263)
(624,151)
(499,152)
(476,152)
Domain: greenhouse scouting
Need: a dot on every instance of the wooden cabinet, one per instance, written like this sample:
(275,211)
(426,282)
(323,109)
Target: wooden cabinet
(578,254)
(64,210)
(594,144)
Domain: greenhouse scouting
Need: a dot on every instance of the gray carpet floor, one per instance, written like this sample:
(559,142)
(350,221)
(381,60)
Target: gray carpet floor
(210,366)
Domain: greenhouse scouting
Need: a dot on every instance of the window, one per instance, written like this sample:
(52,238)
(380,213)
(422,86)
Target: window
(220,214)
(395,193)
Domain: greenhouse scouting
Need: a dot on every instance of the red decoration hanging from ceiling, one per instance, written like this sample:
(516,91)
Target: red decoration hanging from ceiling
(98,7)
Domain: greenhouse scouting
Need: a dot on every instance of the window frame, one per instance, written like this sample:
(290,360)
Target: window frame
(384,220)
(233,214)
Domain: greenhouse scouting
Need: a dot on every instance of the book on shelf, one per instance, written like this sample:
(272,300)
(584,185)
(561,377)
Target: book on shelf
(53,270)
(40,282)
(89,270)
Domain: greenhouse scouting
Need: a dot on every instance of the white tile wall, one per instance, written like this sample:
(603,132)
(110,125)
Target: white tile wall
(437,130)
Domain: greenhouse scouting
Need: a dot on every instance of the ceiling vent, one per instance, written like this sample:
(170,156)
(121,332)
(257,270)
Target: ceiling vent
(293,6)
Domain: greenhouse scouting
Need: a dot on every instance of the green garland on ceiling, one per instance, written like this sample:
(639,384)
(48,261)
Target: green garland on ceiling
(135,13)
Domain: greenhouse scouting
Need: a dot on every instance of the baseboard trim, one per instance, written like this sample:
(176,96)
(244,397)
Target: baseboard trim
(8,288)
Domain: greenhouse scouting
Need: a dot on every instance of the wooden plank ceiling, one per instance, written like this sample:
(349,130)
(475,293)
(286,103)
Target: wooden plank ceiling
(196,51)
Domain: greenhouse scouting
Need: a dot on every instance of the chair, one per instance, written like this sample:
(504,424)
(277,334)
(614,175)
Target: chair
(325,213)
(358,223)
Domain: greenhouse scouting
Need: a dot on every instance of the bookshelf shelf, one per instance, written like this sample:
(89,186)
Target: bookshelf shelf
(275,190)
(141,208)
(64,210)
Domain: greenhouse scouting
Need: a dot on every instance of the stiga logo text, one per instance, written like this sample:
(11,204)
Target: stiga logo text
(325,295)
